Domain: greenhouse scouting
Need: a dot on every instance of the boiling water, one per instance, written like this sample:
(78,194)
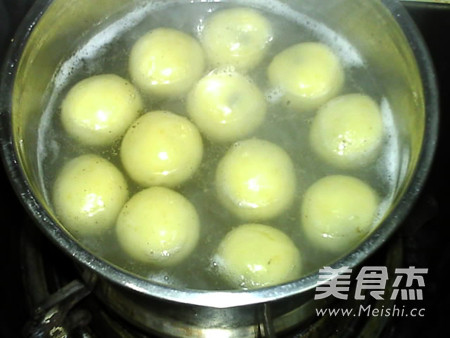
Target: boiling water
(106,50)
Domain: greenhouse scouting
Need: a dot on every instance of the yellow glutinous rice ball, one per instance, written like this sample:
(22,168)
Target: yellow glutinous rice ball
(98,110)
(255,180)
(307,74)
(88,194)
(158,226)
(347,132)
(238,37)
(161,148)
(256,255)
(338,211)
(166,62)
(226,106)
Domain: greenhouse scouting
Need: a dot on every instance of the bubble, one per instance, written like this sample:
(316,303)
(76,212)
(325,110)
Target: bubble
(274,95)
(346,51)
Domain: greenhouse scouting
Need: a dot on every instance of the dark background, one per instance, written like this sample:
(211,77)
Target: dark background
(427,240)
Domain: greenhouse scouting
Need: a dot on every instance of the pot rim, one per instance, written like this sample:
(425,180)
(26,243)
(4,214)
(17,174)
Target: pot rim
(208,298)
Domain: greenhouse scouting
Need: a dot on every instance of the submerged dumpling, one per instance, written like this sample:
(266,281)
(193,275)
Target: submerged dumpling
(88,194)
(338,211)
(226,106)
(158,226)
(255,180)
(166,62)
(238,37)
(256,255)
(308,74)
(161,148)
(98,110)
(347,132)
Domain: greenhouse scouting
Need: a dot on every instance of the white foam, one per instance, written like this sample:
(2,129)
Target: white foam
(90,50)
(343,48)
(274,95)
(390,161)
(392,153)
(94,46)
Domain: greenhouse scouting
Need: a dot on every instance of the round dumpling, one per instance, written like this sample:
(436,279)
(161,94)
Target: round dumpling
(256,255)
(348,131)
(161,148)
(88,194)
(255,180)
(166,62)
(158,226)
(237,36)
(226,106)
(338,211)
(308,74)
(98,110)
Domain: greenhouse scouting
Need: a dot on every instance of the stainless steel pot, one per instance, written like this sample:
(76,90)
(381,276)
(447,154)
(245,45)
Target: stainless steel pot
(384,35)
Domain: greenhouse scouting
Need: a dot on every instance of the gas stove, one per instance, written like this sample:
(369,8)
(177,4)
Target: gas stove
(37,276)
